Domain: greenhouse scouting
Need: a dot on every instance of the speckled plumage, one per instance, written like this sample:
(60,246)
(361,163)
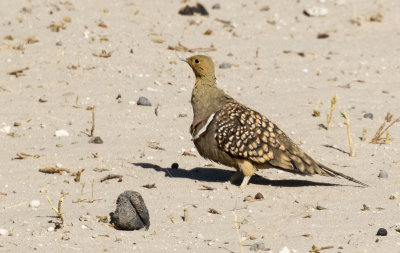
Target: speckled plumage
(232,134)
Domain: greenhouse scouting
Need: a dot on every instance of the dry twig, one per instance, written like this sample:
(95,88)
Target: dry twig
(329,116)
(352,147)
(93,121)
(111,176)
(381,130)
(58,209)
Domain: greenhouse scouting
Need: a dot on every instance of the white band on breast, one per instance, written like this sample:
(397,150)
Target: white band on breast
(204,128)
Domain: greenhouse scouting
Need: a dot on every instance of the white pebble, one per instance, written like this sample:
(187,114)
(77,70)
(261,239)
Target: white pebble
(62,133)
(50,229)
(5,129)
(285,250)
(200,236)
(34,203)
(3,231)
(316,11)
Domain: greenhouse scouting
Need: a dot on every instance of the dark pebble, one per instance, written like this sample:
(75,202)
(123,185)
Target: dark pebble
(382,232)
(144,101)
(322,36)
(383,174)
(175,166)
(257,246)
(216,6)
(58,43)
(259,196)
(96,140)
(369,115)
(225,65)
(191,10)
(131,212)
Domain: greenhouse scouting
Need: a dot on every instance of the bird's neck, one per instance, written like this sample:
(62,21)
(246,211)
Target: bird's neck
(207,98)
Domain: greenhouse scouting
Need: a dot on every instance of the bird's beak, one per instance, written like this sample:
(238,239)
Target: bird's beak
(183,59)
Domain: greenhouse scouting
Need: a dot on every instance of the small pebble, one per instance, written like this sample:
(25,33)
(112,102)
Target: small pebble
(368,116)
(285,250)
(34,203)
(62,133)
(96,140)
(58,43)
(383,174)
(143,101)
(216,6)
(259,196)
(257,246)
(316,11)
(382,232)
(50,229)
(225,65)
(200,236)
(175,166)
(3,231)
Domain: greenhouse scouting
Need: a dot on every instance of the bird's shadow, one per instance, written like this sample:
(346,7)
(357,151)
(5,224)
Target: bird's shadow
(223,175)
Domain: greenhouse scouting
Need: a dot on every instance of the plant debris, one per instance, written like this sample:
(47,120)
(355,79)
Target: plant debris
(149,186)
(182,48)
(17,73)
(22,155)
(103,54)
(381,130)
(213,211)
(191,10)
(206,187)
(53,170)
(185,153)
(155,145)
(111,176)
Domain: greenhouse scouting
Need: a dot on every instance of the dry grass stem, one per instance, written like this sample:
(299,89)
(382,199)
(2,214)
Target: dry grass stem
(185,215)
(93,121)
(329,116)
(381,130)
(364,133)
(238,234)
(58,209)
(352,147)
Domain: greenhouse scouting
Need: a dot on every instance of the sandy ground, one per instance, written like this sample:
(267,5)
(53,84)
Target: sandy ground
(279,67)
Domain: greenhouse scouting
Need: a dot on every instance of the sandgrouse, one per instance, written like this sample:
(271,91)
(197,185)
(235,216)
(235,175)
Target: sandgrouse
(234,135)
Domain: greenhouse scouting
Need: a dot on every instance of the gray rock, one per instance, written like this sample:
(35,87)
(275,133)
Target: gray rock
(144,101)
(216,6)
(369,115)
(257,246)
(383,174)
(225,65)
(58,43)
(96,140)
(131,212)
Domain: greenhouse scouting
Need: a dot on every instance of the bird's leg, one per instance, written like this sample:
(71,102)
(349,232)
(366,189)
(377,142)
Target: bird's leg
(244,182)
(248,170)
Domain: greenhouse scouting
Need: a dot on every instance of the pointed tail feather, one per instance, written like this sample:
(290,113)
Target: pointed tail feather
(333,173)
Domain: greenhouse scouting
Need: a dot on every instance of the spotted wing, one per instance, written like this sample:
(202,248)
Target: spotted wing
(245,133)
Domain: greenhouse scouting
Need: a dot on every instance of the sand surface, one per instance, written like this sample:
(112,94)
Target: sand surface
(80,54)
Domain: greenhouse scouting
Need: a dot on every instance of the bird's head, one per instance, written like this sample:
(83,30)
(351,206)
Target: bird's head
(202,65)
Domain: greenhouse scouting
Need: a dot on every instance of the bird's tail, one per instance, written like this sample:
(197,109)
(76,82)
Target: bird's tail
(333,173)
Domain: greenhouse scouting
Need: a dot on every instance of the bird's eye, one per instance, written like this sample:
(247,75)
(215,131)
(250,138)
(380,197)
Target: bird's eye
(196,61)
